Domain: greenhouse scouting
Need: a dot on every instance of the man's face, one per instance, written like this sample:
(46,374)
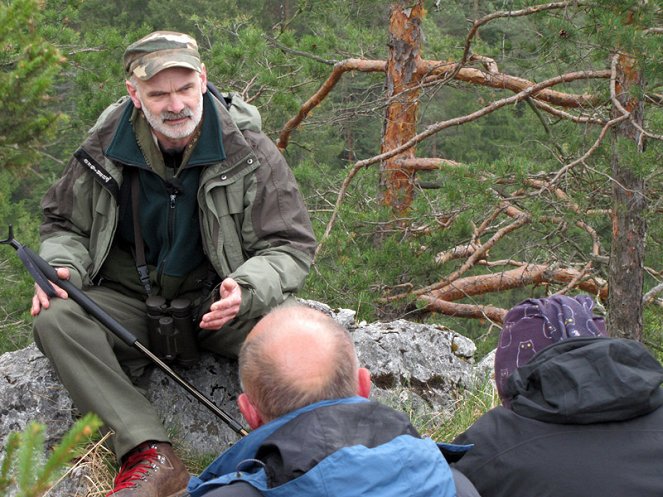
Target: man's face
(172,103)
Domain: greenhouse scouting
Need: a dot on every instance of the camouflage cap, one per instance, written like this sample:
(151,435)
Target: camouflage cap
(161,50)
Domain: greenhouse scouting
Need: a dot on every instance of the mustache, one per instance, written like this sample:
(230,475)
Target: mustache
(167,116)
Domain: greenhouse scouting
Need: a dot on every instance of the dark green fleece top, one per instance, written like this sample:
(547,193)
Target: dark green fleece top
(168,207)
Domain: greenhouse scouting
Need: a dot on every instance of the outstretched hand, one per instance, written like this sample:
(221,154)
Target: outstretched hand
(41,301)
(226,308)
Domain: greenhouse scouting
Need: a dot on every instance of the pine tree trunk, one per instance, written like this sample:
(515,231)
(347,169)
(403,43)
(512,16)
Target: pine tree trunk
(626,268)
(397,182)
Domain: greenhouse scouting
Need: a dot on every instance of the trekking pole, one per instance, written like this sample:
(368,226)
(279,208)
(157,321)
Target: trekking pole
(43,273)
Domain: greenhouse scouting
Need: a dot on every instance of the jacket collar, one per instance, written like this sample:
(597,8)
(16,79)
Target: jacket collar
(125,148)
(248,446)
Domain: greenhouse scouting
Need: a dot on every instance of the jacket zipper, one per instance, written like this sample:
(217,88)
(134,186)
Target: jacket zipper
(172,198)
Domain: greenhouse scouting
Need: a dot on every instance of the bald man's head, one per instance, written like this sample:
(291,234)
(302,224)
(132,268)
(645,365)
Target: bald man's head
(296,356)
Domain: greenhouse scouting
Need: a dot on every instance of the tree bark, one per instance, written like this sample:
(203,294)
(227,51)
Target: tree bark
(397,182)
(629,229)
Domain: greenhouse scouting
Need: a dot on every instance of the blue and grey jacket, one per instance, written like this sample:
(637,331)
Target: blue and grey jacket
(348,447)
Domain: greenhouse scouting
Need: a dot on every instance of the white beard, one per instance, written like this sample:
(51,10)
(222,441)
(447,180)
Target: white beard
(178,132)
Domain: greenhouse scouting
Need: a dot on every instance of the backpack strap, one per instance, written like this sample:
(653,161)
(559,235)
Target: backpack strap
(139,244)
(225,100)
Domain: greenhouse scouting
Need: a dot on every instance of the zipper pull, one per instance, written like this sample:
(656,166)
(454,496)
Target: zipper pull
(174,188)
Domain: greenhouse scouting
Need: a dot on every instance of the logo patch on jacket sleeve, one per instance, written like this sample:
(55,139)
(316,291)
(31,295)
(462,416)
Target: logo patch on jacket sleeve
(100,174)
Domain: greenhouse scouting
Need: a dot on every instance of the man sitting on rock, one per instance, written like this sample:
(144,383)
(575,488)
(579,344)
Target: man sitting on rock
(315,432)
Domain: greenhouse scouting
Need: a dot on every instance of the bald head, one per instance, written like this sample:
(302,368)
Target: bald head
(296,356)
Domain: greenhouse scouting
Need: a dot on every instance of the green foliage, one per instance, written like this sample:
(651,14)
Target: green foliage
(16,290)
(653,330)
(29,65)
(26,469)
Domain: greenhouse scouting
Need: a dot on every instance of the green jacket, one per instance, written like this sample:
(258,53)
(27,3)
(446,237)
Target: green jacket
(254,225)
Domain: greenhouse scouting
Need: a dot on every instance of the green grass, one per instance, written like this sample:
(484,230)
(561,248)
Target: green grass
(16,292)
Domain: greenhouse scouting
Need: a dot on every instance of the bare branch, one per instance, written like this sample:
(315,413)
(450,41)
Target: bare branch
(489,64)
(434,70)
(275,43)
(495,314)
(427,164)
(502,14)
(590,151)
(470,262)
(565,115)
(574,282)
(323,91)
(649,296)
(524,275)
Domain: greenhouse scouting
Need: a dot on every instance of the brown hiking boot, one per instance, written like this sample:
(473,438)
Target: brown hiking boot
(151,470)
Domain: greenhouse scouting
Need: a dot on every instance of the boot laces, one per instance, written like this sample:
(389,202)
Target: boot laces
(135,468)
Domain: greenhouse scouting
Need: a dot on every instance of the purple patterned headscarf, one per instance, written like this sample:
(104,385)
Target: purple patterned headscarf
(534,324)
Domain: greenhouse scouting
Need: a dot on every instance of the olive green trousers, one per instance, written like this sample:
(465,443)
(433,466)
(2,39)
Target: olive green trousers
(98,369)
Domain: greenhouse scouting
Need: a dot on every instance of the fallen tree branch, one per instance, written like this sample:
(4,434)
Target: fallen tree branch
(469,263)
(526,274)
(651,294)
(339,68)
(495,314)
(565,115)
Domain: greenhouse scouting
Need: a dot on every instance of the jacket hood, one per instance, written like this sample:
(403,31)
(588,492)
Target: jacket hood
(587,380)
(328,430)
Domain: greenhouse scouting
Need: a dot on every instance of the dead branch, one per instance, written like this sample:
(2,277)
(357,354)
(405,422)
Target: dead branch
(339,68)
(574,282)
(438,69)
(589,152)
(427,164)
(492,107)
(469,263)
(651,294)
(565,115)
(435,128)
(495,314)
(496,15)
(596,242)
(435,69)
(489,64)
(458,252)
(559,193)
(525,275)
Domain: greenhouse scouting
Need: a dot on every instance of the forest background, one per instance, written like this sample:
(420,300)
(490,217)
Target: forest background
(516,195)
(456,157)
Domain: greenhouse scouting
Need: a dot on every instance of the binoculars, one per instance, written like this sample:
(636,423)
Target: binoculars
(171,330)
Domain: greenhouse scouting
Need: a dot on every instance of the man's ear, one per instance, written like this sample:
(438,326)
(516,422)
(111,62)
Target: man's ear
(203,77)
(363,382)
(248,410)
(133,93)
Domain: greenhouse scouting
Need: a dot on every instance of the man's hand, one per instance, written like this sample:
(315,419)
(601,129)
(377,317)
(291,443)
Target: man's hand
(224,309)
(40,300)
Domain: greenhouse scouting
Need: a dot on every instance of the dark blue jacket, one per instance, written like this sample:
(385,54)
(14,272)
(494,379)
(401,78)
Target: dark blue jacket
(346,447)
